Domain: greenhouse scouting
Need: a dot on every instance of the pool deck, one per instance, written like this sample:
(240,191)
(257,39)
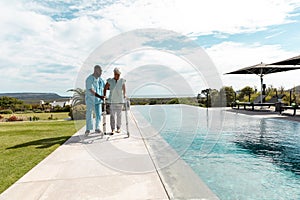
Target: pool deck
(142,166)
(267,113)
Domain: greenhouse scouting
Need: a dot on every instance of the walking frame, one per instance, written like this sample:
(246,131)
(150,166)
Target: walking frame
(104,113)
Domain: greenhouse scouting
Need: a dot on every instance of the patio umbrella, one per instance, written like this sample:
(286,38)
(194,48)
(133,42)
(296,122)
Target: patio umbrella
(263,69)
(291,61)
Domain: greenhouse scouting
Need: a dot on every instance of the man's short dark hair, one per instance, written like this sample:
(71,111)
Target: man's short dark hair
(97,66)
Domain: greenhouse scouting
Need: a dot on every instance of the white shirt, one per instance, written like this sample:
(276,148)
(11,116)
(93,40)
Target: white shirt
(116,92)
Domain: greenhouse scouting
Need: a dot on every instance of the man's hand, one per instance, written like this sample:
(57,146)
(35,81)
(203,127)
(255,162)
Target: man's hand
(97,95)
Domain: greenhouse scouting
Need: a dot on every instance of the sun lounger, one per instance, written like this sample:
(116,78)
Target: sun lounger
(256,102)
(252,105)
(293,107)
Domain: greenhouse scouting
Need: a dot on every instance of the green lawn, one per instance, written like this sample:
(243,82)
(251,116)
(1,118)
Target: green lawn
(42,116)
(25,144)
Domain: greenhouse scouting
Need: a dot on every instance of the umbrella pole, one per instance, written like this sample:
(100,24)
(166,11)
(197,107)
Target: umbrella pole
(261,88)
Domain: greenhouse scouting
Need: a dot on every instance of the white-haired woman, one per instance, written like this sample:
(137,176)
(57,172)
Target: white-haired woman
(117,95)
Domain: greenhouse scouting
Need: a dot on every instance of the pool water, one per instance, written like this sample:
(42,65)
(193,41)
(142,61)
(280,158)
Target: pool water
(237,156)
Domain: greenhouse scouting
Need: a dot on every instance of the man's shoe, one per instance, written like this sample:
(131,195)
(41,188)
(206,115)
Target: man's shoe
(98,131)
(87,132)
(119,131)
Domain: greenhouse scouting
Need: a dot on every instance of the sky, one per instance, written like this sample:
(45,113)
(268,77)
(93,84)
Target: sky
(51,46)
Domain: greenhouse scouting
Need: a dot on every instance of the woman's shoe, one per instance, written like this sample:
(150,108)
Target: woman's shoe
(112,132)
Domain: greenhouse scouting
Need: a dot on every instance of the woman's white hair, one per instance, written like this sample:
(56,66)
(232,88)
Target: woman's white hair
(117,70)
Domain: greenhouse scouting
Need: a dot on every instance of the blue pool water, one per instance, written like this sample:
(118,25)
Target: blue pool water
(237,156)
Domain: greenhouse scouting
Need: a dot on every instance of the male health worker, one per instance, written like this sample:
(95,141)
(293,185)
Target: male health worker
(94,98)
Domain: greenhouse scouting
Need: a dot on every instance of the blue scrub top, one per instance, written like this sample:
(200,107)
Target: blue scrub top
(97,84)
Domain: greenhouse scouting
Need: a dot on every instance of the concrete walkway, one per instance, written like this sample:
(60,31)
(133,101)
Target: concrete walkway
(142,166)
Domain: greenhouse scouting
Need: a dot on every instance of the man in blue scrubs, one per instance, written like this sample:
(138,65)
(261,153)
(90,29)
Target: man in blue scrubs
(93,97)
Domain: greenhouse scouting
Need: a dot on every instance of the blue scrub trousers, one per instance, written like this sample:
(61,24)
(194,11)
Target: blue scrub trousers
(97,108)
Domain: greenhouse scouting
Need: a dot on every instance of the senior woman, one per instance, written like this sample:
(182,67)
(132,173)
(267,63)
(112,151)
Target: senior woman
(117,95)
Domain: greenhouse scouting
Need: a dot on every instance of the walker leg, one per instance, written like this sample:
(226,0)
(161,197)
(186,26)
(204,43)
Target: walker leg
(104,117)
(126,117)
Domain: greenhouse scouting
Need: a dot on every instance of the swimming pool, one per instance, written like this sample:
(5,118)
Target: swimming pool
(237,156)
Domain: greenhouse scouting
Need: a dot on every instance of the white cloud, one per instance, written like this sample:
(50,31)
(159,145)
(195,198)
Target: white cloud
(230,56)
(31,39)
(193,16)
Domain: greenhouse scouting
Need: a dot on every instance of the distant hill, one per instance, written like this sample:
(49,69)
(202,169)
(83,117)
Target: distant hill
(34,98)
(297,89)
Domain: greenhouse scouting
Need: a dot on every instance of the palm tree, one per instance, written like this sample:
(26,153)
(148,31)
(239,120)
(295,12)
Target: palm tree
(78,96)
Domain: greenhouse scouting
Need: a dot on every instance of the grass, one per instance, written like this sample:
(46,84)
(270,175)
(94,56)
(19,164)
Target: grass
(41,116)
(24,144)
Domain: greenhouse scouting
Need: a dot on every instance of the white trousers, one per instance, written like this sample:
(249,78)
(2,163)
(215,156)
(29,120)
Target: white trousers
(115,111)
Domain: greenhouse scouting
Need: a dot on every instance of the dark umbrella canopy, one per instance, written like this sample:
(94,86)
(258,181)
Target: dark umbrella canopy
(263,69)
(291,61)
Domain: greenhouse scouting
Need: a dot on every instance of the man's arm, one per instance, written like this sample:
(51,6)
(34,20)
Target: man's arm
(96,94)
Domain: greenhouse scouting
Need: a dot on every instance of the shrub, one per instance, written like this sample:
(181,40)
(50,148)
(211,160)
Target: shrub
(58,108)
(173,101)
(35,118)
(78,112)
(142,103)
(52,118)
(67,108)
(14,119)
(294,105)
(6,111)
(202,105)
(28,111)
(152,102)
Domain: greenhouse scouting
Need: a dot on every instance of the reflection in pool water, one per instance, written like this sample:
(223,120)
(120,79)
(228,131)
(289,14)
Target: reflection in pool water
(244,158)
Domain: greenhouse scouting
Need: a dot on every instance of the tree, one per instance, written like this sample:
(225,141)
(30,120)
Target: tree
(246,91)
(78,96)
(281,89)
(9,102)
(206,93)
(271,90)
(215,98)
(229,94)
